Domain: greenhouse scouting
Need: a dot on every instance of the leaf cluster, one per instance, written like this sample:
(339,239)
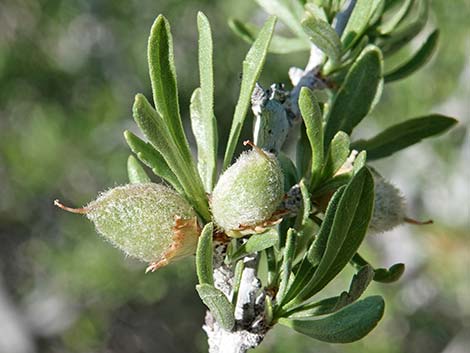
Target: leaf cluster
(307,251)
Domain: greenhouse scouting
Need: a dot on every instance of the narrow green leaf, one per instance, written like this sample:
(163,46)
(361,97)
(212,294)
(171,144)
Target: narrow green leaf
(268,309)
(272,264)
(312,117)
(316,11)
(204,255)
(381,275)
(378,13)
(256,243)
(303,154)
(154,128)
(360,161)
(389,275)
(304,273)
(337,154)
(419,59)
(286,267)
(164,86)
(324,37)
(358,22)
(356,95)
(310,262)
(237,277)
(322,307)
(351,56)
(288,168)
(206,154)
(396,19)
(252,66)
(289,12)
(218,305)
(135,172)
(331,185)
(261,241)
(347,231)
(403,135)
(359,284)
(203,120)
(152,159)
(306,205)
(400,37)
(347,325)
(279,44)
(318,248)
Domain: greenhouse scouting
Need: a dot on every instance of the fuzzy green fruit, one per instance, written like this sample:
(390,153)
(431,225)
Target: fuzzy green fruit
(248,193)
(389,206)
(149,222)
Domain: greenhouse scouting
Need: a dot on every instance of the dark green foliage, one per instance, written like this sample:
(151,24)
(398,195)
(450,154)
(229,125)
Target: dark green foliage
(347,325)
(403,135)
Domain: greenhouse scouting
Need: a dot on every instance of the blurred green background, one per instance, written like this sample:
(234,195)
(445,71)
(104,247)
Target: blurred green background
(69,70)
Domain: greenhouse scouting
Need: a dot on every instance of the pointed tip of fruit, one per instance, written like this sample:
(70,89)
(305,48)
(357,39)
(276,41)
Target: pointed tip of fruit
(81,210)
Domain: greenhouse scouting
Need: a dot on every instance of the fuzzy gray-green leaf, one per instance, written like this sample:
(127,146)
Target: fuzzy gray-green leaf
(252,66)
(396,19)
(419,59)
(382,275)
(356,95)
(360,161)
(403,135)
(203,120)
(288,168)
(256,243)
(337,154)
(286,267)
(206,139)
(402,35)
(135,172)
(347,231)
(289,12)
(347,325)
(279,44)
(312,117)
(164,86)
(152,159)
(358,21)
(154,128)
(318,247)
(218,305)
(204,255)
(389,275)
(311,261)
(303,153)
(324,37)
(359,284)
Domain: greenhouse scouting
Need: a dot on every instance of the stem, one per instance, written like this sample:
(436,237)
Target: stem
(250,327)
(250,321)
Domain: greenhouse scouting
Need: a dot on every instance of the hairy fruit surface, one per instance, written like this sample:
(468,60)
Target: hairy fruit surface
(248,193)
(150,222)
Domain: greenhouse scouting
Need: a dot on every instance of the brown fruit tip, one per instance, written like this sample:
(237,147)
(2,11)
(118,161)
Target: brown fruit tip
(419,223)
(82,210)
(256,148)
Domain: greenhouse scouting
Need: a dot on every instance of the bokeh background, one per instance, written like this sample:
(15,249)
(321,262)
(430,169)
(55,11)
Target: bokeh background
(68,72)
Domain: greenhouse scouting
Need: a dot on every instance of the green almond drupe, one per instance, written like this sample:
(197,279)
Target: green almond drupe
(248,193)
(148,221)
(389,206)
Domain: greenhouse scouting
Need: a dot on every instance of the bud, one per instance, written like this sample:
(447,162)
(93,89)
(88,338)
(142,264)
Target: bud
(389,206)
(147,221)
(248,193)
